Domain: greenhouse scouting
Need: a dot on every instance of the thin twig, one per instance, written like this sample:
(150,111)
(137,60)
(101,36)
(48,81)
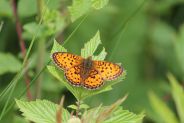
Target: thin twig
(78,108)
(22,45)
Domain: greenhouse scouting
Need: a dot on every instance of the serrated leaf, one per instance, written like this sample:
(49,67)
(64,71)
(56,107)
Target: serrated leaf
(111,114)
(57,48)
(124,116)
(91,46)
(178,95)
(163,111)
(8,63)
(41,111)
(98,4)
(101,56)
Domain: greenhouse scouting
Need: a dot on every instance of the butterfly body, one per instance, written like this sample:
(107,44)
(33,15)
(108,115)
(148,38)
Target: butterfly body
(83,72)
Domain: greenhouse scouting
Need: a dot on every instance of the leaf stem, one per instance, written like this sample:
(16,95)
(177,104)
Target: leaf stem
(78,108)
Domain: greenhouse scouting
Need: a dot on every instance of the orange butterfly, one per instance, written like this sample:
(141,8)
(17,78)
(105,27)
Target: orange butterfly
(86,72)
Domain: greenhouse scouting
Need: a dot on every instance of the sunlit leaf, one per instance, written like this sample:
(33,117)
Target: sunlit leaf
(41,111)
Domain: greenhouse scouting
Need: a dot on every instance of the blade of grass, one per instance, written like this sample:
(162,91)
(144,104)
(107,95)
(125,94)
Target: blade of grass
(19,75)
(75,29)
(122,29)
(24,91)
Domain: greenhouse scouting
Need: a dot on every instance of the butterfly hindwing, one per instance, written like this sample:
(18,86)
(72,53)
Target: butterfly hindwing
(73,75)
(108,70)
(66,60)
(94,80)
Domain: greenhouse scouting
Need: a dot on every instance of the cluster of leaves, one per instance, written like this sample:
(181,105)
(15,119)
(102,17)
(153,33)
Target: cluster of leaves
(112,113)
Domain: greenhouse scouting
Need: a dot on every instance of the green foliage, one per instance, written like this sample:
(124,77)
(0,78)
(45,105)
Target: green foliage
(179,47)
(91,46)
(111,114)
(79,92)
(81,7)
(4,5)
(52,23)
(165,114)
(41,111)
(9,63)
(178,96)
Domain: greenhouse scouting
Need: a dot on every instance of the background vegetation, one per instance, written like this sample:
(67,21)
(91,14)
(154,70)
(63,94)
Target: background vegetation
(147,37)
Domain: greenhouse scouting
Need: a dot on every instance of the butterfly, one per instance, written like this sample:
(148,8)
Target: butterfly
(86,73)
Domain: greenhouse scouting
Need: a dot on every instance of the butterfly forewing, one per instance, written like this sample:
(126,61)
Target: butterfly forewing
(108,70)
(66,60)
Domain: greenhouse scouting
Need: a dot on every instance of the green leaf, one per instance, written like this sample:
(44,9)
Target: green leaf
(162,110)
(178,95)
(79,92)
(57,47)
(91,46)
(111,114)
(41,111)
(5,8)
(72,107)
(101,56)
(8,63)
(98,4)
(80,7)
(24,10)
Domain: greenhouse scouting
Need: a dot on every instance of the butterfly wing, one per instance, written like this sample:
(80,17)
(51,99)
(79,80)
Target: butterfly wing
(94,80)
(73,75)
(66,60)
(108,70)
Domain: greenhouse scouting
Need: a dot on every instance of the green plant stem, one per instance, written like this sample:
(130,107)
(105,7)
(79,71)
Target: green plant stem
(122,28)
(41,53)
(78,108)
(40,65)
(75,29)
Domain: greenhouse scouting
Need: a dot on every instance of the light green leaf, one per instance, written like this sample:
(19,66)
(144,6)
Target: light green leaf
(101,56)
(8,63)
(79,8)
(124,116)
(91,46)
(72,107)
(41,111)
(57,48)
(178,95)
(111,114)
(98,4)
(163,111)
(5,5)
